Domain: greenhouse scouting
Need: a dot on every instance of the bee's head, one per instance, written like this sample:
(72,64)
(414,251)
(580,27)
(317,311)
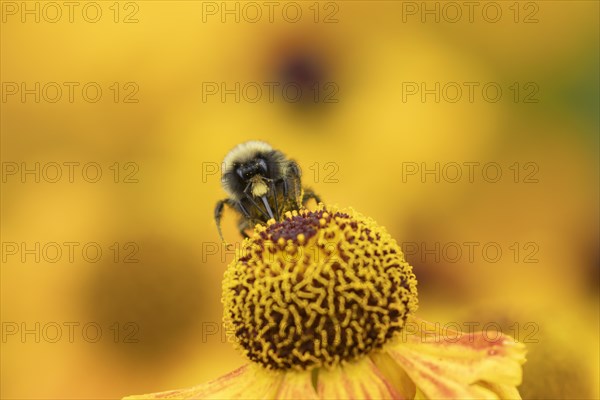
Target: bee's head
(254,163)
(247,170)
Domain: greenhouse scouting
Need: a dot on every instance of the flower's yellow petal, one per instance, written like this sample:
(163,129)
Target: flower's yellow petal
(247,382)
(297,385)
(450,364)
(419,395)
(355,380)
(394,374)
(503,391)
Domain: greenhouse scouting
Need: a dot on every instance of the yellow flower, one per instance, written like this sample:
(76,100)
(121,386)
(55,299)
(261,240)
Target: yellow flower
(321,303)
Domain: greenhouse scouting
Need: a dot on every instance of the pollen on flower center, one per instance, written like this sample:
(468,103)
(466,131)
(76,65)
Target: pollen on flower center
(317,289)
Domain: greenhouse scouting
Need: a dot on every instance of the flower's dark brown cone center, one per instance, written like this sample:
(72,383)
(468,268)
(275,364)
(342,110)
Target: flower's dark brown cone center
(317,289)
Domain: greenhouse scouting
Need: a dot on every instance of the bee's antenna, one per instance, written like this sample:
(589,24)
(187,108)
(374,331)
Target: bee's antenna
(273,190)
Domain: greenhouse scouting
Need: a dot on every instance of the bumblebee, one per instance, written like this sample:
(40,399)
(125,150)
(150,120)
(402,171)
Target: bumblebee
(262,184)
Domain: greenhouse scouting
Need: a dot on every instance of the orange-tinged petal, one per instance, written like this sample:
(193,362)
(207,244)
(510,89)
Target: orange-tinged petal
(450,364)
(297,385)
(356,380)
(247,382)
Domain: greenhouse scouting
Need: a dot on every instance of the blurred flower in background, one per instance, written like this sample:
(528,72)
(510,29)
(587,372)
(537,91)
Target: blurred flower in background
(372,113)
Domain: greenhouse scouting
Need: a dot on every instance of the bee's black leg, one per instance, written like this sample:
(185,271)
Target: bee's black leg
(242,226)
(243,209)
(236,205)
(309,194)
(293,171)
(219,213)
(285,190)
(293,174)
(285,187)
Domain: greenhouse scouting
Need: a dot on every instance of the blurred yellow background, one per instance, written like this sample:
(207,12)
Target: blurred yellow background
(152,95)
